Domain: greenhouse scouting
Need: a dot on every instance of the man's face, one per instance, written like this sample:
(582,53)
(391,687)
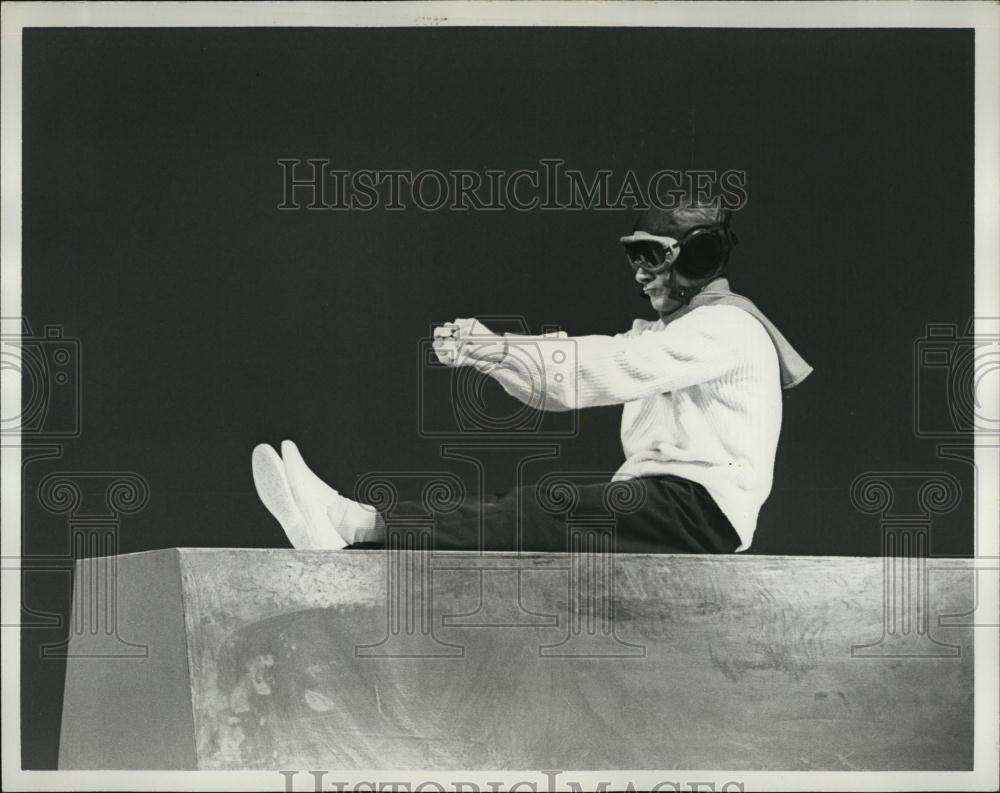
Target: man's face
(650,273)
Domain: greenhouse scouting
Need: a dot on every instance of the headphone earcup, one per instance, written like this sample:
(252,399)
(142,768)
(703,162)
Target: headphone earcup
(701,255)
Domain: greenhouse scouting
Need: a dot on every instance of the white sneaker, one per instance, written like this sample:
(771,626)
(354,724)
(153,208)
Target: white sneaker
(331,514)
(273,489)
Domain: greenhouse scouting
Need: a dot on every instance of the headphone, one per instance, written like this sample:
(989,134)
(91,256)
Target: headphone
(704,257)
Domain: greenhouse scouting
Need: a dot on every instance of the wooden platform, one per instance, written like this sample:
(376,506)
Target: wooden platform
(282,659)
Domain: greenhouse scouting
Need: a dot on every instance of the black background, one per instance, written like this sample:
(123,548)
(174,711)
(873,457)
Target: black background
(210,321)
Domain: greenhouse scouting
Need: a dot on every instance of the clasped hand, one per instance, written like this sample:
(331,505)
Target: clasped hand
(466,342)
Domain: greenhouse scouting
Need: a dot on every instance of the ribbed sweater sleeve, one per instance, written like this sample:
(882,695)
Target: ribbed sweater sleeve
(567,373)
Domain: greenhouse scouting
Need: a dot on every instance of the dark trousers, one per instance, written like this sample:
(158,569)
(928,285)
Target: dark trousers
(662,514)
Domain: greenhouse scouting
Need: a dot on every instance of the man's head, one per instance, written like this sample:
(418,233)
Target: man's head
(675,252)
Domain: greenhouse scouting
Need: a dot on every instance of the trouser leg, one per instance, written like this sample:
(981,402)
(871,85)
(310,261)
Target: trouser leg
(646,515)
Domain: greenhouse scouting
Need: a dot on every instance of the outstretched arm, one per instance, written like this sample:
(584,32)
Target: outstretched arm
(565,373)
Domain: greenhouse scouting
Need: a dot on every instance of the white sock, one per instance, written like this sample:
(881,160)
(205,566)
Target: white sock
(359,522)
(273,488)
(325,508)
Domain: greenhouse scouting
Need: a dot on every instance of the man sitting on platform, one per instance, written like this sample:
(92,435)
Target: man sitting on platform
(701,390)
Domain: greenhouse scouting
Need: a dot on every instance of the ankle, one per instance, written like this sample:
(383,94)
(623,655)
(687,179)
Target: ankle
(356,522)
(374,533)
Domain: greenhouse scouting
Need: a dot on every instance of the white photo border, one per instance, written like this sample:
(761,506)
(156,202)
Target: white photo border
(984,17)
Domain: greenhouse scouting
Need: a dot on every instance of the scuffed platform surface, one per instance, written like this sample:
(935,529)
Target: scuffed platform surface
(282,659)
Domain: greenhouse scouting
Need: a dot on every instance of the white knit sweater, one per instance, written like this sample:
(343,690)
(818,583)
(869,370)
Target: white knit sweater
(701,396)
